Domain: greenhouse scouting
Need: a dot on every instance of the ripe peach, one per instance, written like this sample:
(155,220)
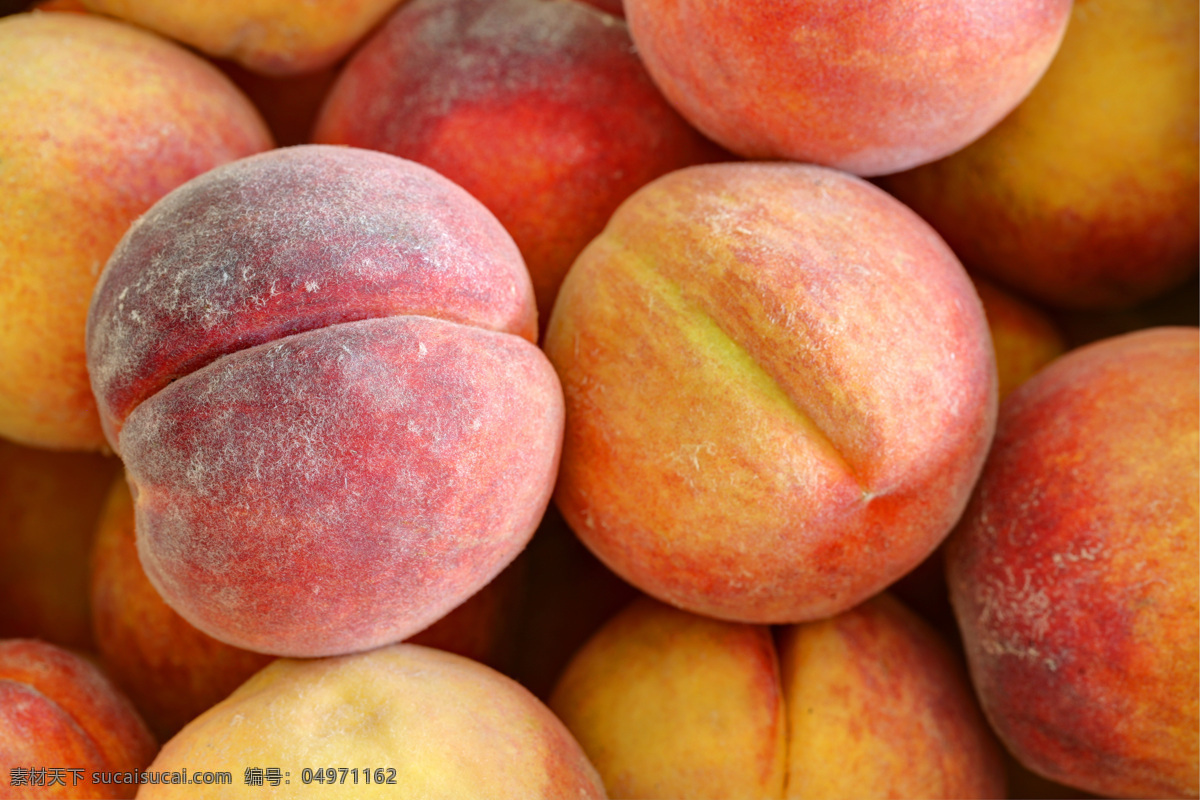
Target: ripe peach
(60,715)
(773,461)
(101,120)
(541,110)
(670,704)
(274,37)
(870,88)
(49,503)
(316,364)
(869,703)
(173,672)
(1088,194)
(1073,573)
(432,723)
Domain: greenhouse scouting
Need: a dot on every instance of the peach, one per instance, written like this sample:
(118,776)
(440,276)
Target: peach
(670,704)
(1088,194)
(869,703)
(274,37)
(1073,574)
(101,121)
(870,88)
(815,391)
(65,730)
(172,672)
(49,503)
(541,110)
(317,366)
(403,720)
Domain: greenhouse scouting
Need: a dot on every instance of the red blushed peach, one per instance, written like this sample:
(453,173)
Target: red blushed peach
(49,503)
(1073,573)
(814,395)
(317,366)
(58,712)
(415,722)
(870,88)
(541,110)
(101,120)
(869,703)
(172,672)
(274,37)
(1088,194)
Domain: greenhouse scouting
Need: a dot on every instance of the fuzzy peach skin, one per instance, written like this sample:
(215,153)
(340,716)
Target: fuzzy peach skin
(49,503)
(1088,194)
(541,110)
(274,37)
(59,711)
(172,672)
(1074,572)
(101,120)
(869,703)
(317,367)
(870,88)
(780,389)
(437,724)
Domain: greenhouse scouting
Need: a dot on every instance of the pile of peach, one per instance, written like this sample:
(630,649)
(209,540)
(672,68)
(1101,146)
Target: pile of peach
(549,398)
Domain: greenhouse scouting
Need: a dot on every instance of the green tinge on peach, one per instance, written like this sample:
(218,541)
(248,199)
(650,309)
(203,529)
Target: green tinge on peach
(814,393)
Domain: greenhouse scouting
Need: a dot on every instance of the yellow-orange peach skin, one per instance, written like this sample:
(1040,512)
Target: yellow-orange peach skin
(101,120)
(869,703)
(274,37)
(1088,194)
(437,724)
(49,504)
